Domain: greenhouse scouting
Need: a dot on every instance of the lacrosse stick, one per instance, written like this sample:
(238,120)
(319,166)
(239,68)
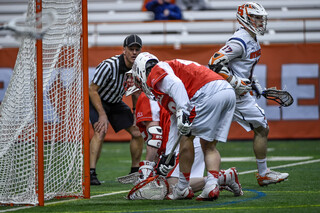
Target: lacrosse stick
(130,178)
(153,188)
(282,97)
(35,27)
(172,153)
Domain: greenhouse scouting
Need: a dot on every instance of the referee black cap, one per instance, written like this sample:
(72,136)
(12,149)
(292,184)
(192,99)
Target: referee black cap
(131,40)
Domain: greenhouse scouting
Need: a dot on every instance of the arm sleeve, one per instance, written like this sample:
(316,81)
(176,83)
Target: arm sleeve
(232,49)
(174,87)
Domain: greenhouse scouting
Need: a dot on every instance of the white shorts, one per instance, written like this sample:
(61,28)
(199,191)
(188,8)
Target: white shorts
(248,113)
(214,104)
(198,165)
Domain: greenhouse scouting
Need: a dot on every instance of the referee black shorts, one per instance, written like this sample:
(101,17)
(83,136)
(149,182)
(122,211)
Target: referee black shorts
(119,115)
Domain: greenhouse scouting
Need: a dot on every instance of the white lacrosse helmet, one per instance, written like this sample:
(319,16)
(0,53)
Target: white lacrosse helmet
(253,16)
(141,69)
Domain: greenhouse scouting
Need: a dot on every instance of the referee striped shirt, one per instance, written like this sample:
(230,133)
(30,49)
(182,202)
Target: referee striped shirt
(110,76)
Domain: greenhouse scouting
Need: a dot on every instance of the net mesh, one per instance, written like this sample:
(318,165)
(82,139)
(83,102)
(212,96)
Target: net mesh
(62,110)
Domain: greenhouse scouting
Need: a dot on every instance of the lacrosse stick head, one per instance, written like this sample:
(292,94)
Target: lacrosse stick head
(153,188)
(280,96)
(140,71)
(35,26)
(253,17)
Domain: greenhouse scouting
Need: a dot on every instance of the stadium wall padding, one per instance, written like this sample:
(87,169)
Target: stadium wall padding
(294,67)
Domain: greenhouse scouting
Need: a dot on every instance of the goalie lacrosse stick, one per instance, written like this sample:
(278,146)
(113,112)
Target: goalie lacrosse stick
(152,188)
(35,27)
(282,97)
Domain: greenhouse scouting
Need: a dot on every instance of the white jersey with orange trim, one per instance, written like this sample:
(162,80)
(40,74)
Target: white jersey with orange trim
(243,52)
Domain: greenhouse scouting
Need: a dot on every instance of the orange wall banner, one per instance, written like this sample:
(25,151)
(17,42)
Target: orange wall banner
(293,67)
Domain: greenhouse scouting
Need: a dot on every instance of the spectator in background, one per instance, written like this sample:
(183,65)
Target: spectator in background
(164,10)
(192,4)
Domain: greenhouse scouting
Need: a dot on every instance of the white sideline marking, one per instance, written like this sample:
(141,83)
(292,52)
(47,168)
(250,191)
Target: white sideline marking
(119,192)
(253,159)
(283,166)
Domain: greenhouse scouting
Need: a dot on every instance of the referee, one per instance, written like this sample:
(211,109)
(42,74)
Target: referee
(106,105)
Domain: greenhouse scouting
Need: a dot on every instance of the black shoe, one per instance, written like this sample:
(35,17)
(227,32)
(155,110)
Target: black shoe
(94,180)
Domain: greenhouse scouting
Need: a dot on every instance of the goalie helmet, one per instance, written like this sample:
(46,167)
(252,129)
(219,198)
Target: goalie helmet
(253,17)
(141,69)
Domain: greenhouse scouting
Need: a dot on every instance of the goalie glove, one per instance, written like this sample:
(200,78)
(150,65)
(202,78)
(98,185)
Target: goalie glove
(183,123)
(256,87)
(164,169)
(146,170)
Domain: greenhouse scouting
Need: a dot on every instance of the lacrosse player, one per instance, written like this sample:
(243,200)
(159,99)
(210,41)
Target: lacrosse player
(191,92)
(106,91)
(235,61)
(154,122)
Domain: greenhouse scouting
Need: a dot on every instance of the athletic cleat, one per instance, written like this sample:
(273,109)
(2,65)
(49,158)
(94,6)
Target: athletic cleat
(94,180)
(209,193)
(177,194)
(233,184)
(271,177)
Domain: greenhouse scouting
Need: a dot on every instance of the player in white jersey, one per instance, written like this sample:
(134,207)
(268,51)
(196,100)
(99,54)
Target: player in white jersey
(235,61)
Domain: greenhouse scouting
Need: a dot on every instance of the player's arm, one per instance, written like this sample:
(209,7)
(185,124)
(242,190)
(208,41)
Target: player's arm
(174,87)
(219,64)
(154,140)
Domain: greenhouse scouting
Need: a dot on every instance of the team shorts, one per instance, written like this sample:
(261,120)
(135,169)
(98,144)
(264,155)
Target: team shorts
(248,113)
(214,105)
(119,115)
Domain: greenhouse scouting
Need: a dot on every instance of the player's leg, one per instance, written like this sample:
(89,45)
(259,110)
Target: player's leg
(212,161)
(182,189)
(121,117)
(260,145)
(95,151)
(197,180)
(136,147)
(95,146)
(251,117)
(219,112)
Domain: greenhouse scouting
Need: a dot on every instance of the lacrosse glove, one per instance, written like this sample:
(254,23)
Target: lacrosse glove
(183,123)
(146,169)
(240,85)
(256,87)
(164,169)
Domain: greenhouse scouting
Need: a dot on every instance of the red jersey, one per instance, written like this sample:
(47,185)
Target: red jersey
(193,76)
(149,110)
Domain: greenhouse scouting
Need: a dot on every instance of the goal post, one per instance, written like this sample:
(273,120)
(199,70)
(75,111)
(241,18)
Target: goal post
(44,116)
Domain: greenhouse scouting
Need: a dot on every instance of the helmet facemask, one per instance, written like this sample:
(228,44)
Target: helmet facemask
(253,17)
(141,70)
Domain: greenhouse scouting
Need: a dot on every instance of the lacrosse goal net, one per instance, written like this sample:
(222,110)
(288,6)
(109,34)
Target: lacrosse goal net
(43,117)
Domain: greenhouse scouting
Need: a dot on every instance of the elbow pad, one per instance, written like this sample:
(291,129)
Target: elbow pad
(154,136)
(217,61)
